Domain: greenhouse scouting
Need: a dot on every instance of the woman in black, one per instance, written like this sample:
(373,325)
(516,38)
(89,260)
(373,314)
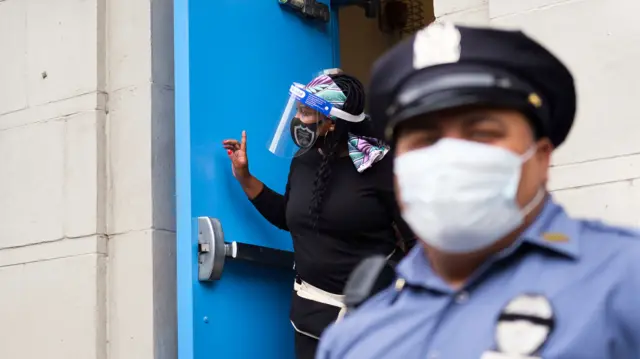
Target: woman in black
(338,206)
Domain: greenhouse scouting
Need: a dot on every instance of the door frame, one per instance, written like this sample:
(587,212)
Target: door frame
(186,251)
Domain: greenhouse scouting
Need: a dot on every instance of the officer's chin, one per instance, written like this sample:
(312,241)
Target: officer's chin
(454,268)
(431,250)
(471,259)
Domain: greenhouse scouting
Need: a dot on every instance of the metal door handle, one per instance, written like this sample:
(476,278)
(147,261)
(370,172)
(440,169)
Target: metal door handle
(310,9)
(213,251)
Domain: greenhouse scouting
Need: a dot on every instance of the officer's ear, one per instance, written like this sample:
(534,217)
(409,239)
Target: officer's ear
(543,156)
(545,147)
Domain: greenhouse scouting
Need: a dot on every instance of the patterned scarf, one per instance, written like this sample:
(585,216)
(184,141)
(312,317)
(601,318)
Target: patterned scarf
(364,151)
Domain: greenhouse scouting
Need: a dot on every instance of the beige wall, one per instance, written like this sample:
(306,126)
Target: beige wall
(87,252)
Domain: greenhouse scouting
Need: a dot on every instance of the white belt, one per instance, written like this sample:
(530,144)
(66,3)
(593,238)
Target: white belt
(307,291)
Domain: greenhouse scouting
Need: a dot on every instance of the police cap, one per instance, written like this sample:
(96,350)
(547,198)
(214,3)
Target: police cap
(445,66)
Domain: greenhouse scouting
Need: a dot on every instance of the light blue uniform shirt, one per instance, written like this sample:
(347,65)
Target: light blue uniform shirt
(589,271)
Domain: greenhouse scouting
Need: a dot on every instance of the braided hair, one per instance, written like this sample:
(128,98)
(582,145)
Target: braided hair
(335,141)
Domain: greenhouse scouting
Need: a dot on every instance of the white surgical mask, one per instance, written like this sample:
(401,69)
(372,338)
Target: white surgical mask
(460,196)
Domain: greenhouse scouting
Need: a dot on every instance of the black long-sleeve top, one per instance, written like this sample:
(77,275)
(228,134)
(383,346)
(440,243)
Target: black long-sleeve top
(358,213)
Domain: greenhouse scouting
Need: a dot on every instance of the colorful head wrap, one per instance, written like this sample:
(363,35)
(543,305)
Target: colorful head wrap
(364,151)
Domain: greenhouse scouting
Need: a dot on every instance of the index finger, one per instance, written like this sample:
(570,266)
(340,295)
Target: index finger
(243,143)
(231,142)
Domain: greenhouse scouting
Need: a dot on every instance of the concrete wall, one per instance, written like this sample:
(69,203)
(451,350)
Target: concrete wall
(87,259)
(86,179)
(597,171)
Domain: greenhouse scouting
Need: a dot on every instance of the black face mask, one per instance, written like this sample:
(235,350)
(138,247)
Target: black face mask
(303,135)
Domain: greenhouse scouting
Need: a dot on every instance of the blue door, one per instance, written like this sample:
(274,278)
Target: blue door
(234,62)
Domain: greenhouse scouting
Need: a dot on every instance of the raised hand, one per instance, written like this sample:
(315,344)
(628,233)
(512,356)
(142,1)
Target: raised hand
(237,152)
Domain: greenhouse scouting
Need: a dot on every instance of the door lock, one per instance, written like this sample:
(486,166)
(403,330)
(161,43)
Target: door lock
(213,251)
(311,9)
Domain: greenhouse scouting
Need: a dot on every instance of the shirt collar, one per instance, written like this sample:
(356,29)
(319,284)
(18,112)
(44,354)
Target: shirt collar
(553,230)
(416,270)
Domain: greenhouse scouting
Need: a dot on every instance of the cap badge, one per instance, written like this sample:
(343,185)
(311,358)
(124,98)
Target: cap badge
(535,100)
(436,44)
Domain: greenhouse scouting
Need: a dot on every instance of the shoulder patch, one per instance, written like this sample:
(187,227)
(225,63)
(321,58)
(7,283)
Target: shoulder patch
(555,237)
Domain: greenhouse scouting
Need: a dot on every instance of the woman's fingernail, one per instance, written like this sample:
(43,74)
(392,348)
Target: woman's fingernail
(228,152)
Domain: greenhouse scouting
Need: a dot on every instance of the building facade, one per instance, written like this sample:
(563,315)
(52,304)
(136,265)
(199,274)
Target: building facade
(87,218)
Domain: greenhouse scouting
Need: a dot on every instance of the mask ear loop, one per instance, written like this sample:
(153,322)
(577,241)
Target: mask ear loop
(329,133)
(324,138)
(529,153)
(541,194)
(535,201)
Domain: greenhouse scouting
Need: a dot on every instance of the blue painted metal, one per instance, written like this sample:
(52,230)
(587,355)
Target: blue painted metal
(184,249)
(234,62)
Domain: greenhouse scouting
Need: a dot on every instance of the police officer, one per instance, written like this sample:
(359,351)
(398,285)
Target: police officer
(502,271)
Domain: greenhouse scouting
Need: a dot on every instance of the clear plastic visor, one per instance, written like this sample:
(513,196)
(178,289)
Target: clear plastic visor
(303,120)
(297,131)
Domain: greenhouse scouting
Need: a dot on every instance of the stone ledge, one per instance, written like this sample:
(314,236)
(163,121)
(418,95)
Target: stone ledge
(62,248)
(616,203)
(477,16)
(449,7)
(502,8)
(92,101)
(595,172)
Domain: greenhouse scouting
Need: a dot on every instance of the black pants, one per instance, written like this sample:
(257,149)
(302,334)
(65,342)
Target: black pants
(312,318)
(305,346)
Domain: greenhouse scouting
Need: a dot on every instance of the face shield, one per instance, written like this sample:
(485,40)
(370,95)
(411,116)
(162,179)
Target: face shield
(305,118)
